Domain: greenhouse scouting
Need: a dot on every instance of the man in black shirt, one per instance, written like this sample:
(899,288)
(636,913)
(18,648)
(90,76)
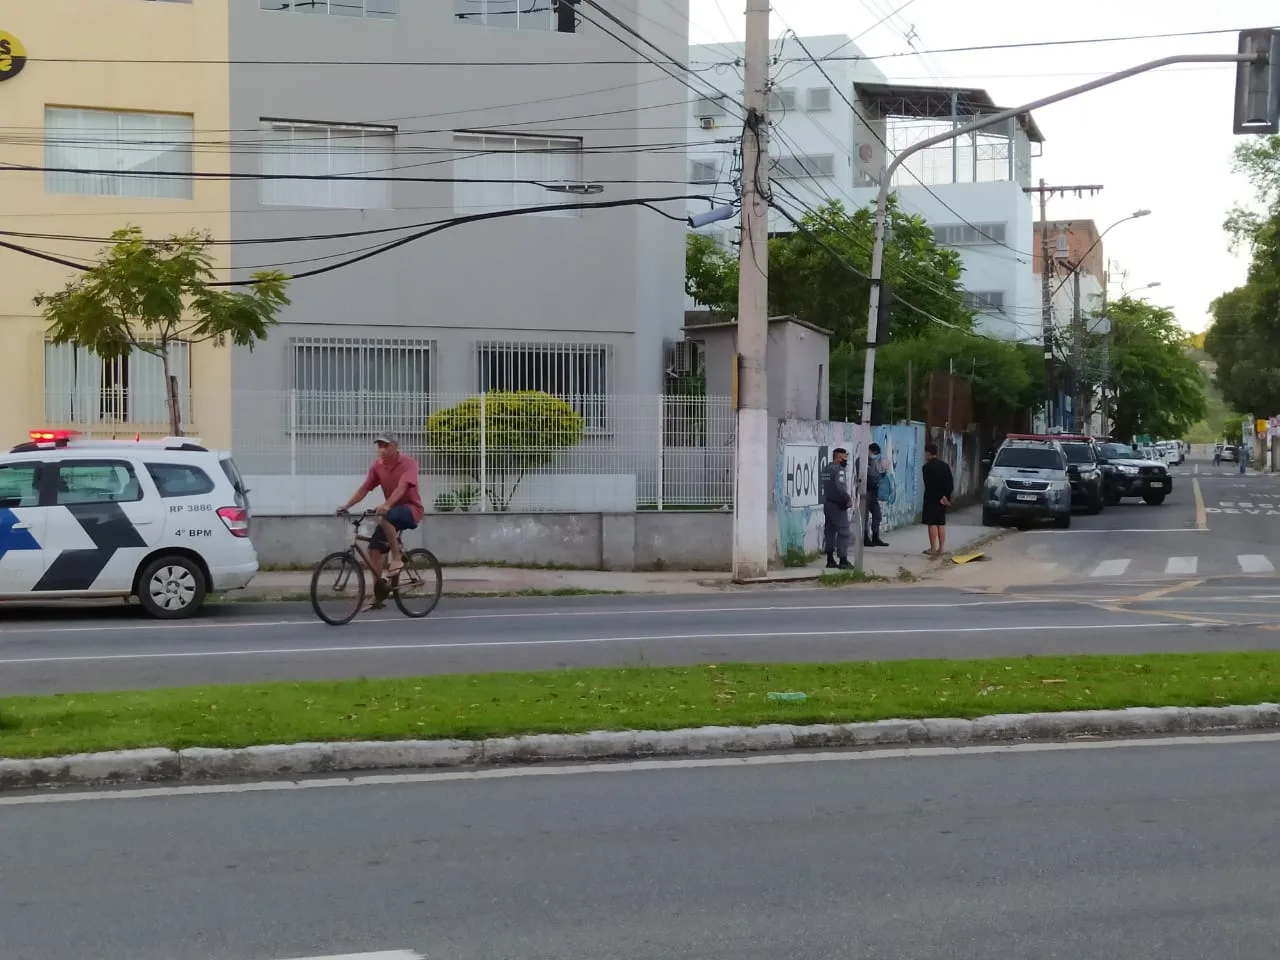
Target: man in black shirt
(938,487)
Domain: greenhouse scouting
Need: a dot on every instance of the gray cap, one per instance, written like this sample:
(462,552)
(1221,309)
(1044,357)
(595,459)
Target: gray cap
(386,436)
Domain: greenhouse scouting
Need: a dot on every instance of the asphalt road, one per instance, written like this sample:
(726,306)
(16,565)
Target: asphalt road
(1075,851)
(120,649)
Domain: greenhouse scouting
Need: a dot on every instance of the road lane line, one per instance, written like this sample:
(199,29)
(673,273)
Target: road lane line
(587,641)
(633,766)
(1110,568)
(1181,566)
(1202,517)
(1109,530)
(382,955)
(1255,563)
(233,624)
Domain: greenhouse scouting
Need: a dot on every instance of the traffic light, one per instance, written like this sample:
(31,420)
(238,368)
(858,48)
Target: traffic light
(1257,107)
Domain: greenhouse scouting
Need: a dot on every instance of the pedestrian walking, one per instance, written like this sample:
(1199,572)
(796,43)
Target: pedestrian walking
(835,509)
(1243,456)
(875,470)
(1217,454)
(938,487)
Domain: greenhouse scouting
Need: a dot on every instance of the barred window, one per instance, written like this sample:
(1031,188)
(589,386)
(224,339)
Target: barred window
(967,234)
(796,168)
(984,301)
(83,388)
(577,372)
(343,384)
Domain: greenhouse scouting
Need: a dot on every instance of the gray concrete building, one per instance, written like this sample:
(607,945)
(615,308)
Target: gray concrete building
(458,103)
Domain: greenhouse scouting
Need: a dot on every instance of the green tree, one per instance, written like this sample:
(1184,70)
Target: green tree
(146,295)
(1246,326)
(1156,387)
(523,430)
(819,273)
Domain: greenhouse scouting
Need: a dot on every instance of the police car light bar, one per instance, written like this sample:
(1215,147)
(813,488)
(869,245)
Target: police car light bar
(52,436)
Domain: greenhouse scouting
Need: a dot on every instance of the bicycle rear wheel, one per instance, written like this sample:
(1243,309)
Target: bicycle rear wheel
(419,585)
(337,589)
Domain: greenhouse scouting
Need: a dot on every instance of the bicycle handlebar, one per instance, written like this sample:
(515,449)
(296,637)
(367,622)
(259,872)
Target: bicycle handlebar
(358,518)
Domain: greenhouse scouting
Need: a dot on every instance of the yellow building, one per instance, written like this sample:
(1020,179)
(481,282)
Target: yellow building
(86,97)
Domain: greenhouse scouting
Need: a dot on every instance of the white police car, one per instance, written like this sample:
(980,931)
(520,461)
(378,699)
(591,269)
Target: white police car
(166,521)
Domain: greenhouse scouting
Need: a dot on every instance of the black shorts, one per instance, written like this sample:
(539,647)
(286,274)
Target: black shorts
(933,515)
(400,517)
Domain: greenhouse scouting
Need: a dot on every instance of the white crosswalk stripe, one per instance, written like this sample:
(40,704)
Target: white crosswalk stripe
(1181,566)
(1111,568)
(384,955)
(1255,563)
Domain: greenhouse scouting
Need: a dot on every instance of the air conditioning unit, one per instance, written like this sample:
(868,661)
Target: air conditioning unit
(707,123)
(682,358)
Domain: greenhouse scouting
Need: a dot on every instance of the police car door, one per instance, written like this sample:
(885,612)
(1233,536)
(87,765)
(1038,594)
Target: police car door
(103,524)
(22,526)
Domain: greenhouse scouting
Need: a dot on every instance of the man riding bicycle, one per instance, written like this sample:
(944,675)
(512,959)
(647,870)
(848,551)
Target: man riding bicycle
(397,474)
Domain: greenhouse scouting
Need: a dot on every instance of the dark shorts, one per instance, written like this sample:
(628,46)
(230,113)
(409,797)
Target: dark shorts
(933,515)
(400,517)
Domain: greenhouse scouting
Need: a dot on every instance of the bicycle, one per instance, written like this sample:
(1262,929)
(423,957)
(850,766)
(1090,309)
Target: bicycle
(341,575)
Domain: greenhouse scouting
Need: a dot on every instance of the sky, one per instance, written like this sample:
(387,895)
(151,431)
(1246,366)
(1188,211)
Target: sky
(1161,141)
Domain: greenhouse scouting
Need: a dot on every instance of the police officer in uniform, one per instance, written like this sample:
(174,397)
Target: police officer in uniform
(835,509)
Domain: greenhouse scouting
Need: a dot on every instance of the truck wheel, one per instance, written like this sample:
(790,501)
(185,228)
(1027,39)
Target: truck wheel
(1062,521)
(171,587)
(989,519)
(1096,503)
(1155,499)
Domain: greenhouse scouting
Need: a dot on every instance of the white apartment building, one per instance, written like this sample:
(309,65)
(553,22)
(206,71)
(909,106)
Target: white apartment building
(830,126)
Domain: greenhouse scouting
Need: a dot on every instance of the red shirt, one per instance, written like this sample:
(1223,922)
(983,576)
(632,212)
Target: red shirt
(389,476)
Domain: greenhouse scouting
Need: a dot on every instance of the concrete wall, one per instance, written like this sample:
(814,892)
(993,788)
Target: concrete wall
(901,495)
(646,540)
(801,449)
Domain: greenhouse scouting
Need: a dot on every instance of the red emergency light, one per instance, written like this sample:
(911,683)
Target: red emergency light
(47,436)
(1046,436)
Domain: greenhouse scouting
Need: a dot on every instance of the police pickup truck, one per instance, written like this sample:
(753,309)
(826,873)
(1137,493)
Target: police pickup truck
(1028,481)
(1126,474)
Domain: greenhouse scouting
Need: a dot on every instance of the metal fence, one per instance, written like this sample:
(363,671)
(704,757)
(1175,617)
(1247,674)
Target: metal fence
(495,451)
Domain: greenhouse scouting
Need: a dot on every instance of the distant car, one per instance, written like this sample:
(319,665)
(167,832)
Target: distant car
(1127,474)
(1225,451)
(1028,481)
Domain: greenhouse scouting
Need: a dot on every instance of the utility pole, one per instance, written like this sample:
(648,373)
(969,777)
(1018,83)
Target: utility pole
(1046,289)
(1077,353)
(751,505)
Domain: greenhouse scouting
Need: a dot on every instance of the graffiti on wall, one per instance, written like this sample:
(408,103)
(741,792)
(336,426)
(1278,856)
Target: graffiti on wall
(902,453)
(804,449)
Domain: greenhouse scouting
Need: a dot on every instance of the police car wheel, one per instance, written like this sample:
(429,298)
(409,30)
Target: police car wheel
(171,587)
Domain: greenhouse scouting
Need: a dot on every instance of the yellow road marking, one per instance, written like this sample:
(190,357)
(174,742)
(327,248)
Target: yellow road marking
(1165,591)
(1202,519)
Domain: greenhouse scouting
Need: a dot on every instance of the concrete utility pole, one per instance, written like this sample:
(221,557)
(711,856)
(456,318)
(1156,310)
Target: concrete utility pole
(1046,290)
(751,505)
(1252,56)
(1077,353)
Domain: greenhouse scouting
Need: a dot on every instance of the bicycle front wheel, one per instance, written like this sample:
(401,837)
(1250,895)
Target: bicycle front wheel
(337,589)
(419,585)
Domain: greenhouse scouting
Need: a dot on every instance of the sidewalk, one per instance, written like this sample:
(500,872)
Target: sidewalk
(905,552)
(906,549)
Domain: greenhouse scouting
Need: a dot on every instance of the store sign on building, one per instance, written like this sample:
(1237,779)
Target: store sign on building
(13,56)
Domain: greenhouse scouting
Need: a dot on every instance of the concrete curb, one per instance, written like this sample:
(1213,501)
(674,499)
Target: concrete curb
(302,759)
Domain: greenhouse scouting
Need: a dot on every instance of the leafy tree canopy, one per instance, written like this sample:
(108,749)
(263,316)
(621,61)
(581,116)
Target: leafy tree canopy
(1157,387)
(1245,337)
(147,294)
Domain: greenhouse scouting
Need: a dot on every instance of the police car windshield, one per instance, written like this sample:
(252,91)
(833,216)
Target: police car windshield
(1029,458)
(1116,451)
(1078,452)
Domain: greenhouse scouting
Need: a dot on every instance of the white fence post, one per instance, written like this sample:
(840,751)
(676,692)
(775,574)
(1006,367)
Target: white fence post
(484,466)
(662,404)
(293,433)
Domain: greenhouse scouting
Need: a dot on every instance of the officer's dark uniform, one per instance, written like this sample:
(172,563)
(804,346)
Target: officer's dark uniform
(835,508)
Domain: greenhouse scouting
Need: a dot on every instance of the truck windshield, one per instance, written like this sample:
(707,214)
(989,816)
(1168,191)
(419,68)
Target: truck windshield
(1078,452)
(1030,458)
(1116,451)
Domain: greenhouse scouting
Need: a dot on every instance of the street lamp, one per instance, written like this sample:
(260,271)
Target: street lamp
(1153,283)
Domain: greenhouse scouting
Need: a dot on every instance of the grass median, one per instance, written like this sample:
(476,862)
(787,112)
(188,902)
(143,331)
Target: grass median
(662,698)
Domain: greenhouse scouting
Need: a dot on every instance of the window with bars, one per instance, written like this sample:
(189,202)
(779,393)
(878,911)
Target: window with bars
(984,301)
(709,107)
(343,385)
(819,99)
(555,16)
(576,372)
(798,168)
(369,9)
(704,171)
(782,99)
(83,388)
(968,234)
(512,170)
(339,153)
(118,153)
